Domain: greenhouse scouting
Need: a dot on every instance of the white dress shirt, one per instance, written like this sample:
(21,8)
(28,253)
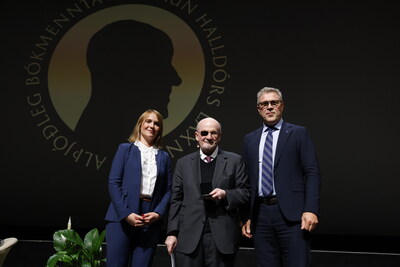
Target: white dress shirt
(213,155)
(149,168)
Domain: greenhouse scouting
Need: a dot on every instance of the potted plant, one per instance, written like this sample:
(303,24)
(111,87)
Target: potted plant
(73,251)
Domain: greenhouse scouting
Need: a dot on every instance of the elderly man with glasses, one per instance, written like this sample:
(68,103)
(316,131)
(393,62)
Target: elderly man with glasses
(209,190)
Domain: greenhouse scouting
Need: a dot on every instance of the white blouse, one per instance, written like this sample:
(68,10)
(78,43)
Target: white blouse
(149,168)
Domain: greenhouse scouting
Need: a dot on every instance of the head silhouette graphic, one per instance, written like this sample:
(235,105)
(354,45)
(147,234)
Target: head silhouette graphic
(131,71)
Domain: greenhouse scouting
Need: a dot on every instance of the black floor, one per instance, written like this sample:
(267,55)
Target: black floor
(30,253)
(35,247)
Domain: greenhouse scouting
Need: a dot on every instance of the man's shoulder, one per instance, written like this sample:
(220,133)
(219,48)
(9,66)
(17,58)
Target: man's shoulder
(288,125)
(188,156)
(229,155)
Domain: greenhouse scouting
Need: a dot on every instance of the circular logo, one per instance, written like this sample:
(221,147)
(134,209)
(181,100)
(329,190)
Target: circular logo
(69,78)
(91,74)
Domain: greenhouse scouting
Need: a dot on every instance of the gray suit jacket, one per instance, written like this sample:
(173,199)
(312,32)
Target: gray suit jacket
(187,212)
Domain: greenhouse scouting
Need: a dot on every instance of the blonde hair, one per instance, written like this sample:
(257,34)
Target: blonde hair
(136,133)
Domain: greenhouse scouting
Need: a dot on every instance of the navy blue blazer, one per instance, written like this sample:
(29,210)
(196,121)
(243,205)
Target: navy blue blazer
(125,183)
(296,171)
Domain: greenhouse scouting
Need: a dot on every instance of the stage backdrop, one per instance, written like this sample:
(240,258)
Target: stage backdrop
(76,75)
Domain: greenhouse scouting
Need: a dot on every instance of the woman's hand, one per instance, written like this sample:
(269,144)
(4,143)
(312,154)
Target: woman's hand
(150,217)
(135,220)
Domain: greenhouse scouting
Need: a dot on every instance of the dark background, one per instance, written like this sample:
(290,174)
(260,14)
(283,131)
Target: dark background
(338,68)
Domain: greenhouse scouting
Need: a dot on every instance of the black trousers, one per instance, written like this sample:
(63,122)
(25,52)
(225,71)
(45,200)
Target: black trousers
(205,255)
(279,242)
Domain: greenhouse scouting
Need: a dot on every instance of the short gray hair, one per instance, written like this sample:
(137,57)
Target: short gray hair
(269,90)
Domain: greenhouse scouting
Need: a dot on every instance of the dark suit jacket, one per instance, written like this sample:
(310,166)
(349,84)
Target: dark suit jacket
(296,171)
(125,182)
(187,212)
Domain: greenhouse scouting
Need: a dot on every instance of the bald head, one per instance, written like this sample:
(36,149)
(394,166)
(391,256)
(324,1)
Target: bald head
(208,135)
(209,122)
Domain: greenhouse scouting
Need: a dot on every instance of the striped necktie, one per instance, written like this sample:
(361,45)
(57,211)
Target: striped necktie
(267,167)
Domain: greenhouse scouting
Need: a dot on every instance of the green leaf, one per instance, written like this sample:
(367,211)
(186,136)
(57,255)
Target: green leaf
(72,236)
(60,257)
(91,240)
(66,258)
(99,243)
(52,261)
(85,255)
(72,251)
(59,241)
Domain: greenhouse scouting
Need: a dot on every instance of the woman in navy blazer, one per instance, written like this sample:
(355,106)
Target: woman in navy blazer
(140,189)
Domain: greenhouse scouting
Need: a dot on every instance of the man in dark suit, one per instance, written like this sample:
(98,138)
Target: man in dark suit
(208,190)
(284,176)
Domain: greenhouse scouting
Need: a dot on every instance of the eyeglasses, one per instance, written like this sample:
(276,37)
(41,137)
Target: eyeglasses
(205,133)
(265,104)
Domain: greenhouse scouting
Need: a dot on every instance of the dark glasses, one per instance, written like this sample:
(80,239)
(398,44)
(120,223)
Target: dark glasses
(205,133)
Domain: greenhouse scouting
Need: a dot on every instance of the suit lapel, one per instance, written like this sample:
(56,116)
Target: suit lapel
(158,160)
(256,142)
(284,134)
(135,165)
(195,166)
(136,160)
(255,151)
(219,167)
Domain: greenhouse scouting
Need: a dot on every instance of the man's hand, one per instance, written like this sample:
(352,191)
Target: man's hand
(309,221)
(217,194)
(246,229)
(171,242)
(135,220)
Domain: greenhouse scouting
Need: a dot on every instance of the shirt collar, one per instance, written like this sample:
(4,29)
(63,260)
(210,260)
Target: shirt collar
(213,155)
(143,148)
(277,126)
